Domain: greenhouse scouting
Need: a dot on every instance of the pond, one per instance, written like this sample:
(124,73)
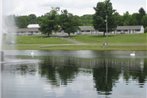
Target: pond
(74,74)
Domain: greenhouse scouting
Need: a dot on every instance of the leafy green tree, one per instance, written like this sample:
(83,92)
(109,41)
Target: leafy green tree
(126,18)
(21,21)
(86,20)
(68,23)
(142,12)
(32,18)
(103,11)
(134,19)
(144,21)
(118,19)
(49,23)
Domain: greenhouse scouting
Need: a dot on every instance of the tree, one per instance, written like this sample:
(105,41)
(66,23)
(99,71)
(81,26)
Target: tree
(86,20)
(126,18)
(49,22)
(32,19)
(142,13)
(68,23)
(134,19)
(144,21)
(118,19)
(104,12)
(21,21)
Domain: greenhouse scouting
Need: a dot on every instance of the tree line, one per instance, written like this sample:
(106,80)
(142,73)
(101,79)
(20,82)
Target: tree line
(61,20)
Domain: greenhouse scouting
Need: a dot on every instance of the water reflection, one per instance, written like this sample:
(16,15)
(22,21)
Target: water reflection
(80,77)
(67,68)
(105,77)
(58,74)
(106,72)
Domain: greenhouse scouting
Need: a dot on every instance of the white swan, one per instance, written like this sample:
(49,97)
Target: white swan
(32,53)
(132,54)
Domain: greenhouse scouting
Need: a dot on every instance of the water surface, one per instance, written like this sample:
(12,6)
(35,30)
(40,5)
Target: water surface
(74,74)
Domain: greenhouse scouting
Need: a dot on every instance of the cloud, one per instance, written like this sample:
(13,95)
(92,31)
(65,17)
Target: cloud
(128,5)
(78,7)
(71,4)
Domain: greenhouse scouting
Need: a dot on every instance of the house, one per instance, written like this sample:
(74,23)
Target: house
(32,29)
(28,31)
(129,29)
(86,30)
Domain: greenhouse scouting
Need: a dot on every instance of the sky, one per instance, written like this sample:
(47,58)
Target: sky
(76,7)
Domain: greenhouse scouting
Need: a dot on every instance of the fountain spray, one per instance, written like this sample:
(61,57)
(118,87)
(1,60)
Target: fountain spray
(1,32)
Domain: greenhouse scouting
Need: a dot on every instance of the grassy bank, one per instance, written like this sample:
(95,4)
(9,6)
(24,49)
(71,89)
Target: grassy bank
(115,42)
(40,40)
(82,47)
(114,39)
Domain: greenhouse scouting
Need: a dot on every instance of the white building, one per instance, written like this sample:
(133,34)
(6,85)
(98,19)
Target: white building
(32,29)
(33,26)
(129,29)
(89,30)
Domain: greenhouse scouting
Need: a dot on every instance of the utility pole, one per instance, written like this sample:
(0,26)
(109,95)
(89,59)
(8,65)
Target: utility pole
(106,42)
(106,24)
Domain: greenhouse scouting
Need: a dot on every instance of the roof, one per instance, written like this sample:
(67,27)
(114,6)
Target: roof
(28,30)
(128,27)
(33,26)
(86,28)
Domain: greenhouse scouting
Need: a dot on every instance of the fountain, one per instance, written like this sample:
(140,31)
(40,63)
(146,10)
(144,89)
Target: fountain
(1,53)
(8,35)
(7,29)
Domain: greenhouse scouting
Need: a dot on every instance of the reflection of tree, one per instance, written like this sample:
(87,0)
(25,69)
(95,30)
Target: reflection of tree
(58,72)
(48,70)
(105,77)
(25,68)
(137,72)
(67,73)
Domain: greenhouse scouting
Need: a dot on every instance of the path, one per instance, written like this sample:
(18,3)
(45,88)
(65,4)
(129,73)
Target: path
(73,41)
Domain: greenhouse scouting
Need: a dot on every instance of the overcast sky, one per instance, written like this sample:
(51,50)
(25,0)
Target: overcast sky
(77,7)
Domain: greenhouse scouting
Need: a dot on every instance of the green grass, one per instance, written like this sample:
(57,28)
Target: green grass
(113,39)
(39,40)
(116,42)
(80,47)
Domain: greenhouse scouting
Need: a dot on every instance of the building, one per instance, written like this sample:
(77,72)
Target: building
(33,26)
(129,29)
(28,31)
(86,30)
(32,29)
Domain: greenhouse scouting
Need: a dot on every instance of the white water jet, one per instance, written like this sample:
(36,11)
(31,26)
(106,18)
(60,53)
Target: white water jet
(7,28)
(0,45)
(0,25)
(10,32)
(1,30)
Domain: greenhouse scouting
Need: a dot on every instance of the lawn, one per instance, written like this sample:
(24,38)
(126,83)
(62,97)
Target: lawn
(40,40)
(114,39)
(115,42)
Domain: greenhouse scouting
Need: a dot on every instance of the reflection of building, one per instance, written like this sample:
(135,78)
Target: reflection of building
(32,29)
(131,64)
(129,29)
